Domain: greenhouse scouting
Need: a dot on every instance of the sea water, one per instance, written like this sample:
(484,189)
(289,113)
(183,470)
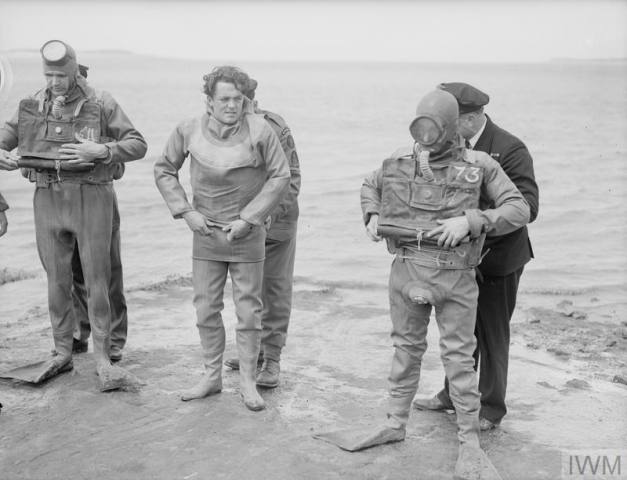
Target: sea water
(345,118)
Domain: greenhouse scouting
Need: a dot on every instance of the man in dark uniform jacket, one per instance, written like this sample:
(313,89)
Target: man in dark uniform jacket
(8,161)
(505,257)
(3,217)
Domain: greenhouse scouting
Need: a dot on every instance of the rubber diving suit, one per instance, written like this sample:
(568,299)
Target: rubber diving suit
(74,200)
(429,203)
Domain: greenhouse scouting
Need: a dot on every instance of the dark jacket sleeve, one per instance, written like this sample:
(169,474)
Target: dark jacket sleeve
(285,216)
(517,163)
(8,134)
(506,253)
(509,210)
(3,204)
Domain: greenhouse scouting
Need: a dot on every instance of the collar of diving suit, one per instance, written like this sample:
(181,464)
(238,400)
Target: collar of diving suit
(453,151)
(74,93)
(221,130)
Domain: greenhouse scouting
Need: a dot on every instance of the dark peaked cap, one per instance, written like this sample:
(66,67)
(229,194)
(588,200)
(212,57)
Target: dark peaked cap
(468,97)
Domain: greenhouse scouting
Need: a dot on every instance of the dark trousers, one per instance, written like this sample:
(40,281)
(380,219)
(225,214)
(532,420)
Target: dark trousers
(278,275)
(119,317)
(497,300)
(67,214)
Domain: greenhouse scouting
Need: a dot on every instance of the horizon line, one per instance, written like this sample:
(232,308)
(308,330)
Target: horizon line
(335,60)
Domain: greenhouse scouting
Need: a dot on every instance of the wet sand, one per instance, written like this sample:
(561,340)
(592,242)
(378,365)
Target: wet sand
(561,394)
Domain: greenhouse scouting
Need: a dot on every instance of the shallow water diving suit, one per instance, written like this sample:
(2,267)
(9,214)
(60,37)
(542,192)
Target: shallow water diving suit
(425,275)
(237,172)
(74,205)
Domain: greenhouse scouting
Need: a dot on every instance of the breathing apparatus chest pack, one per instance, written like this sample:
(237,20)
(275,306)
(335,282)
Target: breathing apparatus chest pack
(413,198)
(41,133)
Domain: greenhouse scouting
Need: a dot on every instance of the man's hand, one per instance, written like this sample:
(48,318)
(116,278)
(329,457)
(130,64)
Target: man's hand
(197,222)
(85,151)
(3,223)
(451,230)
(8,160)
(237,229)
(371,228)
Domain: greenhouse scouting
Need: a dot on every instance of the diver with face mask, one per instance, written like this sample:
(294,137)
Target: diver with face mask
(71,141)
(427,202)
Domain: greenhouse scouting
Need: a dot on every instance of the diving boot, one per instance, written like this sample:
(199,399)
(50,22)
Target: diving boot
(55,365)
(473,464)
(434,403)
(359,438)
(61,359)
(233,363)
(115,354)
(268,377)
(248,343)
(212,341)
(111,377)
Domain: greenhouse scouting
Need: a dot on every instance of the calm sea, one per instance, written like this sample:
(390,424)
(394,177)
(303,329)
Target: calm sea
(345,119)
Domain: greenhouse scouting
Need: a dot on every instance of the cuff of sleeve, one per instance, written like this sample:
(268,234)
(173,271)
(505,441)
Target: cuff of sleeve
(109,158)
(253,221)
(3,207)
(369,214)
(182,212)
(475,222)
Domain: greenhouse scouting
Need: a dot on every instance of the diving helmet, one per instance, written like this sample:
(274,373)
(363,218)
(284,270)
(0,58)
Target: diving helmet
(59,57)
(435,124)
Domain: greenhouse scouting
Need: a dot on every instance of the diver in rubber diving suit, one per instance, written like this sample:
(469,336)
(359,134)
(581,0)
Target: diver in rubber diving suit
(70,141)
(239,174)
(434,204)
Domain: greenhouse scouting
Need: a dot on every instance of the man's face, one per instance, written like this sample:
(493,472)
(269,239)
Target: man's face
(227,103)
(465,125)
(57,82)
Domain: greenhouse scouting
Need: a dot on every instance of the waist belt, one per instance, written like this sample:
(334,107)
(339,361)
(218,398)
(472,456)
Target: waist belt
(56,165)
(463,256)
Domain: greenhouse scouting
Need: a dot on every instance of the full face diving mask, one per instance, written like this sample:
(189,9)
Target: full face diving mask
(59,56)
(428,132)
(435,123)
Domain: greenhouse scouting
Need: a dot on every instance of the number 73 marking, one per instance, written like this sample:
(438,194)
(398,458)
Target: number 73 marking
(472,173)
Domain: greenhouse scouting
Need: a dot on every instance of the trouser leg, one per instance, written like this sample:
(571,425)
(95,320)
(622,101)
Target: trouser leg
(209,278)
(117,300)
(55,244)
(93,215)
(278,274)
(82,329)
(247,281)
(496,304)
(456,323)
(409,337)
(119,315)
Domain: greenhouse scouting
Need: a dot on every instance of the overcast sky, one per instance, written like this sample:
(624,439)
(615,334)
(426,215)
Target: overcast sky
(445,31)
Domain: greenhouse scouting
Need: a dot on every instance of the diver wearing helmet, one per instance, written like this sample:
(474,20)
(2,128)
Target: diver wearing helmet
(504,258)
(70,142)
(425,202)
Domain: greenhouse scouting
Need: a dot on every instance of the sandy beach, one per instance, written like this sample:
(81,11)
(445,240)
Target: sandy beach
(568,368)
(562,395)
